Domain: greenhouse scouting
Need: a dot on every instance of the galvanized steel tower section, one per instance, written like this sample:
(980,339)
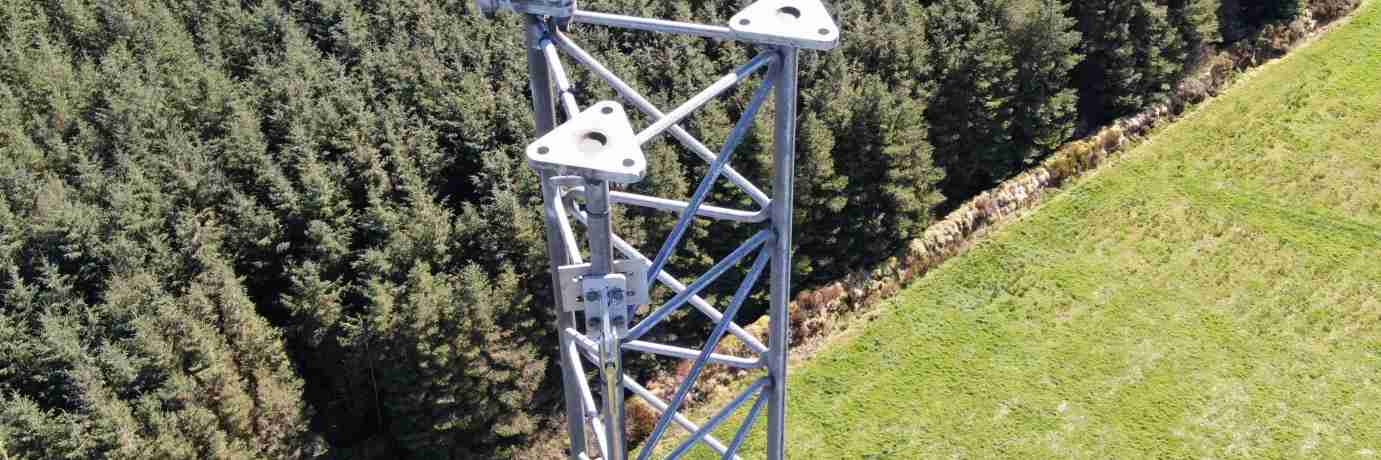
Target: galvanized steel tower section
(597,300)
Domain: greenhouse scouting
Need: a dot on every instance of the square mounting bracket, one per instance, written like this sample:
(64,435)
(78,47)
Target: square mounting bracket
(635,292)
(604,295)
(596,144)
(798,23)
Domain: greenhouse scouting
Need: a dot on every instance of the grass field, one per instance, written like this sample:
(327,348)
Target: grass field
(1214,294)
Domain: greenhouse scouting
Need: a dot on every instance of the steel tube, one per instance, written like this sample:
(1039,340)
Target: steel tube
(711,343)
(745,123)
(588,344)
(746,426)
(676,285)
(699,284)
(568,236)
(611,372)
(695,300)
(663,204)
(661,406)
(718,418)
(783,172)
(646,107)
(687,353)
(653,25)
(705,96)
(572,357)
(600,228)
(545,115)
(558,73)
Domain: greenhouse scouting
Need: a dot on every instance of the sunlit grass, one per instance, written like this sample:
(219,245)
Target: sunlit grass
(1214,294)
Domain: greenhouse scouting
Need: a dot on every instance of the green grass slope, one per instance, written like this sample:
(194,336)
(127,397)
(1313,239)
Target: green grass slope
(1213,295)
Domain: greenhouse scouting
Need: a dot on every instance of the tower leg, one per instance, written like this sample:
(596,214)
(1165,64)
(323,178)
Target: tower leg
(544,108)
(783,176)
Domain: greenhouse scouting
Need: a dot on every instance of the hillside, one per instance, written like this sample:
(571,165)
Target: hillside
(1214,294)
(306,229)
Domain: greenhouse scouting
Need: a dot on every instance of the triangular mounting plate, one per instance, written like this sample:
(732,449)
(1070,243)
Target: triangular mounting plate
(798,23)
(598,143)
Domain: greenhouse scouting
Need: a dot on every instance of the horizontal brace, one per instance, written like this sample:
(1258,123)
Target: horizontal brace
(588,345)
(663,204)
(653,25)
(687,353)
(661,407)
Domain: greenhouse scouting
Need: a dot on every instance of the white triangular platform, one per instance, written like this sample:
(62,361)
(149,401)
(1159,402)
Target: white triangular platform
(599,143)
(799,23)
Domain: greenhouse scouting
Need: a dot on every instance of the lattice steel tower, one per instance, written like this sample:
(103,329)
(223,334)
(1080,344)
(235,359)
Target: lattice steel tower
(593,147)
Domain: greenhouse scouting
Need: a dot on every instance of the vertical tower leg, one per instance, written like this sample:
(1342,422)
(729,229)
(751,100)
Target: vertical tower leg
(783,176)
(544,108)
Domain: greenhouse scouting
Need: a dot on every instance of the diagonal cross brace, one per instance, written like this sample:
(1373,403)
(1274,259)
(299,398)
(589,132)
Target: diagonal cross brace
(585,348)
(711,344)
(745,124)
(676,285)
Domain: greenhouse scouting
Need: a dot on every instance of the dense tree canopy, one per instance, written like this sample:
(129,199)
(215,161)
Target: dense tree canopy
(288,229)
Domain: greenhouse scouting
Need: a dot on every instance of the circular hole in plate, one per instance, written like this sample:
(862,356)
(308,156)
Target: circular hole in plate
(629,163)
(824,31)
(543,150)
(606,110)
(744,22)
(788,14)
(592,142)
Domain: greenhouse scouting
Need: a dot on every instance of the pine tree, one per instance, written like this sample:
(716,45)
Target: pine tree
(1196,21)
(1129,48)
(1044,106)
(970,113)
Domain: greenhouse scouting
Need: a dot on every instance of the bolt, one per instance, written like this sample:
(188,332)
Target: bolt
(592,296)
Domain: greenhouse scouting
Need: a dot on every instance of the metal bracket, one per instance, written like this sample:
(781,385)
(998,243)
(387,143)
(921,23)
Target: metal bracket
(605,295)
(597,144)
(635,291)
(798,23)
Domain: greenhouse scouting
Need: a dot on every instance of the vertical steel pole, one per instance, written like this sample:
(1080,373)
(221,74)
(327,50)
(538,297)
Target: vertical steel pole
(600,232)
(783,176)
(544,108)
(600,227)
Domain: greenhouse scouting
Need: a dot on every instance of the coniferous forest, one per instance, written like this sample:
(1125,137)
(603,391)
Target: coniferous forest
(293,229)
